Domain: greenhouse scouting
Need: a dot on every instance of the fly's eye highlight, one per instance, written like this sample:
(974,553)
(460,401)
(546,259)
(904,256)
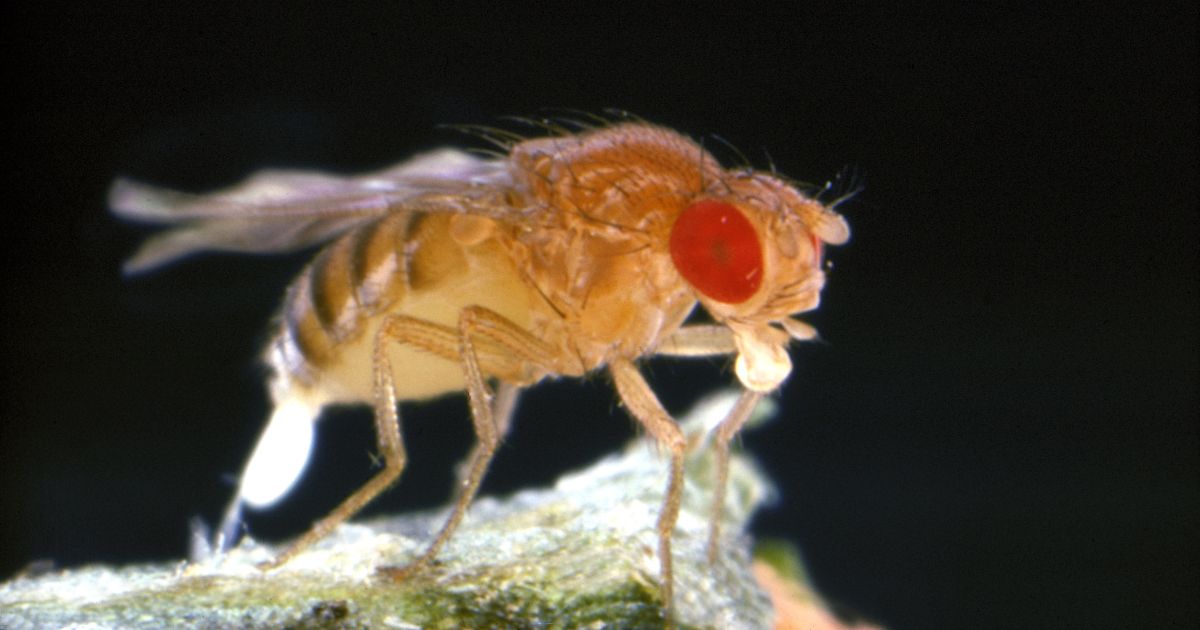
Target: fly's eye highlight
(716,249)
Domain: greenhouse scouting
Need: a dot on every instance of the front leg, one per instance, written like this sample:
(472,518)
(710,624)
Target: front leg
(700,340)
(725,431)
(705,341)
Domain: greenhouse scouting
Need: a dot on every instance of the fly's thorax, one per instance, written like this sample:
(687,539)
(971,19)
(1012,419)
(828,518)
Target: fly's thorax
(600,293)
(623,176)
(604,201)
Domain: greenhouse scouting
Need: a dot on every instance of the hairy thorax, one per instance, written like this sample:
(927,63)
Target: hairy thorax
(595,245)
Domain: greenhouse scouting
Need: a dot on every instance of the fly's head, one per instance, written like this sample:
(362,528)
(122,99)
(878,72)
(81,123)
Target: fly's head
(752,251)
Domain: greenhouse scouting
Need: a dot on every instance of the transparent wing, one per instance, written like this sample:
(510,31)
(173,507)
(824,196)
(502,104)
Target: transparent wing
(278,210)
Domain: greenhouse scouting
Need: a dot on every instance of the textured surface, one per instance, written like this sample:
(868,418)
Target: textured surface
(573,555)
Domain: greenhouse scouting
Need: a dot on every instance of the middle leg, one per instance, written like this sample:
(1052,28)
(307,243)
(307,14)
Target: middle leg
(490,415)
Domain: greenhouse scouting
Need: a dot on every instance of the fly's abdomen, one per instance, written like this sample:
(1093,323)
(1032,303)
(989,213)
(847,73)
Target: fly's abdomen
(422,266)
(329,306)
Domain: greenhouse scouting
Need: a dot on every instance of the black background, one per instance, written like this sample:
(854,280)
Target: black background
(999,429)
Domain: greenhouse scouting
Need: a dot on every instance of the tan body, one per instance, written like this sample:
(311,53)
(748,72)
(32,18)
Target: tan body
(559,258)
(595,287)
(413,266)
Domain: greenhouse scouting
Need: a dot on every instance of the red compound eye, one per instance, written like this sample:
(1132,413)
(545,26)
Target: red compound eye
(717,250)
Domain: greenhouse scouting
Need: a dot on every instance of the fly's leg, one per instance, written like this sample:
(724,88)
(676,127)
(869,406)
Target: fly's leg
(508,343)
(387,435)
(503,405)
(486,440)
(434,338)
(643,405)
(725,431)
(700,341)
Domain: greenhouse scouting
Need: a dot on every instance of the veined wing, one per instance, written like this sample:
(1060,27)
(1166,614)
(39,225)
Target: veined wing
(282,210)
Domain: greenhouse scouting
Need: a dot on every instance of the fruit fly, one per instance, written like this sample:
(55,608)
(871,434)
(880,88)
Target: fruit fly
(580,251)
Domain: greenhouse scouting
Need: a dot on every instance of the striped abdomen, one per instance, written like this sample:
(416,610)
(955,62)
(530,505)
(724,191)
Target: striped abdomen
(426,266)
